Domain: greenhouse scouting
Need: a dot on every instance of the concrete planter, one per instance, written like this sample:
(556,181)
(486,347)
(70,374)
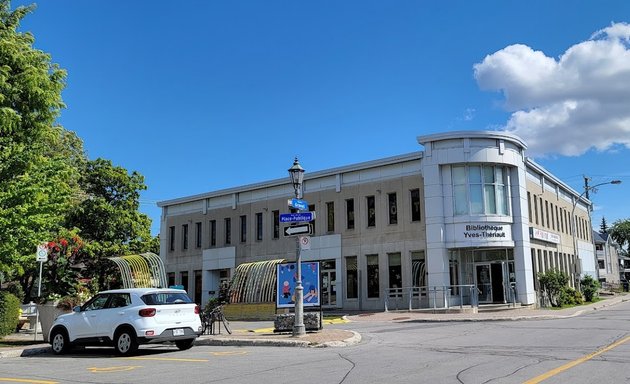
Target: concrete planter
(47,315)
(285,322)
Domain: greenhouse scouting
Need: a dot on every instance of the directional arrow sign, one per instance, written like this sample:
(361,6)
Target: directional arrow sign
(298,230)
(297,217)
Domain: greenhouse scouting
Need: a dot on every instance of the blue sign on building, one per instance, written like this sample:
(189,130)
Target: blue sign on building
(297,217)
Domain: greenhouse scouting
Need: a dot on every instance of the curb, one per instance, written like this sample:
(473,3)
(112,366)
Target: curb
(257,342)
(24,352)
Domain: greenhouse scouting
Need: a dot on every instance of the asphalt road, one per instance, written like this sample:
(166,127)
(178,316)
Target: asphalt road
(591,348)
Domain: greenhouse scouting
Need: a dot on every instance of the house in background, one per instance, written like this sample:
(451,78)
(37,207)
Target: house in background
(607,253)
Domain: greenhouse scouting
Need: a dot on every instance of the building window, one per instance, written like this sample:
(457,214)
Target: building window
(418,269)
(198,287)
(185,236)
(395,273)
(228,231)
(198,235)
(183,278)
(536,209)
(480,189)
(171,238)
(171,279)
(350,213)
(311,208)
(352,278)
(213,233)
(330,215)
(529,207)
(371,211)
(373,286)
(393,208)
(415,205)
(259,226)
(276,224)
(243,228)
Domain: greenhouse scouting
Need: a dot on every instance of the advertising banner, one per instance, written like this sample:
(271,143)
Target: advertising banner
(286,281)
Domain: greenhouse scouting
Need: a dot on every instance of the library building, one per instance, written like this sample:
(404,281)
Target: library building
(468,220)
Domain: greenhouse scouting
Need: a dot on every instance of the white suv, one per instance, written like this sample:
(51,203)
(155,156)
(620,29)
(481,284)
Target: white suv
(126,318)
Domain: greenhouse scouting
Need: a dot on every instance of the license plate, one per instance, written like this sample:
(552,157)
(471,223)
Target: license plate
(178,332)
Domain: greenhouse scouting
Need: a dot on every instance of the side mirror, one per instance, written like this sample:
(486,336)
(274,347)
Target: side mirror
(76,309)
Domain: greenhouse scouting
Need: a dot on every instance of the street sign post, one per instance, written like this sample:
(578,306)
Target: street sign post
(302,205)
(304,229)
(297,217)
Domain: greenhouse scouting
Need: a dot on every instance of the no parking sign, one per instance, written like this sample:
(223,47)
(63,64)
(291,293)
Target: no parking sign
(305,242)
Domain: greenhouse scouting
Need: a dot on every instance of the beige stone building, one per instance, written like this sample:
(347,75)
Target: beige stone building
(469,219)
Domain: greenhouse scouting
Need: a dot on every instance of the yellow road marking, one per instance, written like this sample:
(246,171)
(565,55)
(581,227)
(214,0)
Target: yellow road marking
(236,353)
(168,359)
(113,369)
(573,363)
(15,380)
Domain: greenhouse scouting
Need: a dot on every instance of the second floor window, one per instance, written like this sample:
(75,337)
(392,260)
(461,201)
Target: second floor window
(171,238)
(228,231)
(480,189)
(198,235)
(330,214)
(243,229)
(213,233)
(415,204)
(259,226)
(276,224)
(185,236)
(393,208)
(371,211)
(350,214)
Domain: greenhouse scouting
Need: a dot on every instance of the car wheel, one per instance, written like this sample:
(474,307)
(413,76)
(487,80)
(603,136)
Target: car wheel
(125,342)
(59,341)
(185,344)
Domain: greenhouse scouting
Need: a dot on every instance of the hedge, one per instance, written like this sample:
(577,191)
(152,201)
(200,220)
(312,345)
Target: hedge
(9,313)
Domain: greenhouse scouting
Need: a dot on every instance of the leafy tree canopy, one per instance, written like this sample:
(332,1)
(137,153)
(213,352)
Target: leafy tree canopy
(620,232)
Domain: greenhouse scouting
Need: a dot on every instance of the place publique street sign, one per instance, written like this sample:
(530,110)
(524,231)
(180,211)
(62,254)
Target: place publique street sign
(297,217)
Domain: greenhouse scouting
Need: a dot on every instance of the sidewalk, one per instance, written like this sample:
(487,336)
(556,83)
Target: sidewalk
(261,333)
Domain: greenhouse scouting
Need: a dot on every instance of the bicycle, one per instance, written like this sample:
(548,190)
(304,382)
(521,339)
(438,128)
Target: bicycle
(210,318)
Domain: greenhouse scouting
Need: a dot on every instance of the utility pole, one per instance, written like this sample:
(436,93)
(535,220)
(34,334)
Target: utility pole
(586,187)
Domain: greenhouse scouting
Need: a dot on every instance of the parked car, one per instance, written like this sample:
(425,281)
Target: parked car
(126,318)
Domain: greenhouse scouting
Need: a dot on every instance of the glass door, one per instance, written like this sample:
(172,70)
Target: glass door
(483,281)
(328,287)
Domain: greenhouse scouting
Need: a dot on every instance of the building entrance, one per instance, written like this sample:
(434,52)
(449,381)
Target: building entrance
(491,279)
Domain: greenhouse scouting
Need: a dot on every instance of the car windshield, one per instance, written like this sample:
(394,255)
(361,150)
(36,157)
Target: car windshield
(164,298)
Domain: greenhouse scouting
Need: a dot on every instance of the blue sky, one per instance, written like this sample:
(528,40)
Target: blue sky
(205,95)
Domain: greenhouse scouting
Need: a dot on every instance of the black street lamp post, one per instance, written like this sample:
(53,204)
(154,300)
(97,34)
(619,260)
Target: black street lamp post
(296,173)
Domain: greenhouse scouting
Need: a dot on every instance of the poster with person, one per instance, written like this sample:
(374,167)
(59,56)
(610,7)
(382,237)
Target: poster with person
(287,279)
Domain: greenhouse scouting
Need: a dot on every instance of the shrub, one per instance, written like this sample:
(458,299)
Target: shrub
(16,290)
(570,296)
(9,313)
(590,287)
(553,282)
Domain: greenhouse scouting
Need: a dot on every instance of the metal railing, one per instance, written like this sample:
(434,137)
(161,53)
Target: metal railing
(435,297)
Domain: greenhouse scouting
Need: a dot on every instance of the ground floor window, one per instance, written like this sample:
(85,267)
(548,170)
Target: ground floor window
(352,278)
(418,269)
(372,276)
(395,273)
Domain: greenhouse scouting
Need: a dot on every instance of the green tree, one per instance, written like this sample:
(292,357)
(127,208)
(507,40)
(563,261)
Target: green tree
(603,226)
(620,232)
(109,217)
(590,287)
(35,188)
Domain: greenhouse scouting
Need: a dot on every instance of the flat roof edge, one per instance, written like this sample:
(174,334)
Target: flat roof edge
(472,135)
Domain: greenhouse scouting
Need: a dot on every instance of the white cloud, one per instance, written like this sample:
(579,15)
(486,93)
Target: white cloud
(569,105)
